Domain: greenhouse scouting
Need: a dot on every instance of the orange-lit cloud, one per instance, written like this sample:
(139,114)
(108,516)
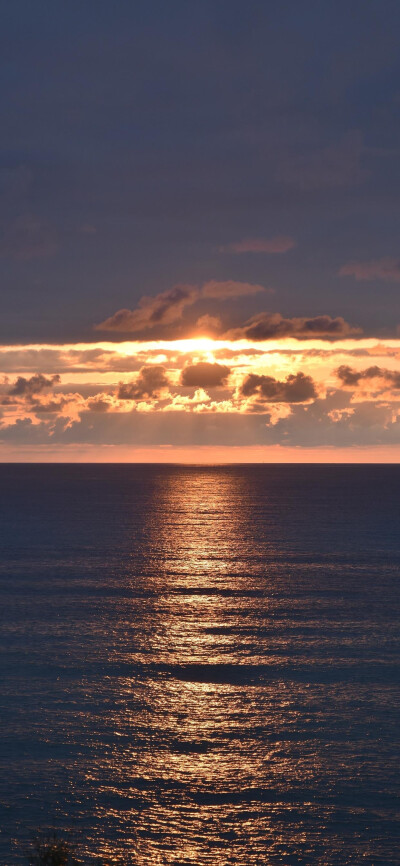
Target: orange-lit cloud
(297,388)
(28,387)
(204,375)
(151,382)
(209,324)
(165,308)
(351,378)
(280,392)
(168,307)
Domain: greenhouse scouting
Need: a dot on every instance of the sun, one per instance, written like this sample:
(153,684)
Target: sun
(196,344)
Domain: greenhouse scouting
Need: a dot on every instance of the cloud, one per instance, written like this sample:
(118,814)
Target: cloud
(28,387)
(351,378)
(268,326)
(323,422)
(204,375)
(87,229)
(229,289)
(278,244)
(260,393)
(151,381)
(28,237)
(179,402)
(387,269)
(337,165)
(168,307)
(53,404)
(163,309)
(295,389)
(209,324)
(331,421)
(100,403)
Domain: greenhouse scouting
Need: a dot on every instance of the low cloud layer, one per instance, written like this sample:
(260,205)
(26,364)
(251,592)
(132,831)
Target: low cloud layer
(302,393)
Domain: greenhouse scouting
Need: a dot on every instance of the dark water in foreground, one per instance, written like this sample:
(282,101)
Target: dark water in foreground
(200,665)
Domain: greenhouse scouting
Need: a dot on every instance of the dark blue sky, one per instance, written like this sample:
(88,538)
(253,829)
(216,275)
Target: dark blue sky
(138,138)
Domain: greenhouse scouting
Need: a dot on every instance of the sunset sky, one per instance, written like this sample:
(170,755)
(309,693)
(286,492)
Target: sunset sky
(199,231)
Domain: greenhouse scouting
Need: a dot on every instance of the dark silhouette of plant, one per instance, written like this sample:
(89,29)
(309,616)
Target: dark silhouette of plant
(51,850)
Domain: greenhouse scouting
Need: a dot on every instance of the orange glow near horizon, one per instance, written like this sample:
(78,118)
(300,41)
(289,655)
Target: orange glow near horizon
(200,455)
(201,400)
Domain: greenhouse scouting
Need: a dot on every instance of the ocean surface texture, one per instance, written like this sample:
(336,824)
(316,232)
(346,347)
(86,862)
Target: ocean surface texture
(199,664)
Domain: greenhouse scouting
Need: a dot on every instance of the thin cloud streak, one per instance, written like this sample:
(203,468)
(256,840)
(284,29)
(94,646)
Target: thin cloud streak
(276,245)
(386,269)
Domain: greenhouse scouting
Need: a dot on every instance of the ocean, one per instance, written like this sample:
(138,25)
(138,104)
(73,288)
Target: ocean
(200,664)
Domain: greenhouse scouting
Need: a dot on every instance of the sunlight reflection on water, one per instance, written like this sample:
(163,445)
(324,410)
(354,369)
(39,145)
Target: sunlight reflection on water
(201,663)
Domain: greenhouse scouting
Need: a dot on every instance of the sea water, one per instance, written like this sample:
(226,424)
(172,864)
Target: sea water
(199,664)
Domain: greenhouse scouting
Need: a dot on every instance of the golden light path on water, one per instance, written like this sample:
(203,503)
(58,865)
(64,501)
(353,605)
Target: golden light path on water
(195,754)
(197,539)
(201,750)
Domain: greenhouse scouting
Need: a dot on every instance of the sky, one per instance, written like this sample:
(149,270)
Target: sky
(199,230)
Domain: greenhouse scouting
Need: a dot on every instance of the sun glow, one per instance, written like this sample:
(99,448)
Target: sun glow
(201,393)
(196,344)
